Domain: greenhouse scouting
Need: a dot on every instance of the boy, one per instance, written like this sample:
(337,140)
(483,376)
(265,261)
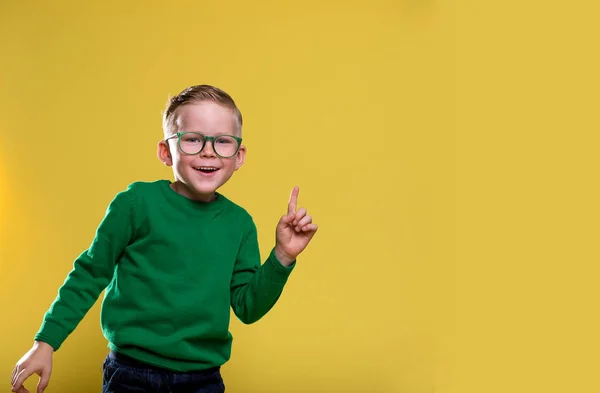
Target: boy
(173,257)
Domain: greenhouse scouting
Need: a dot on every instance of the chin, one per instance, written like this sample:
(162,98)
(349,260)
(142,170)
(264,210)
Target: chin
(193,190)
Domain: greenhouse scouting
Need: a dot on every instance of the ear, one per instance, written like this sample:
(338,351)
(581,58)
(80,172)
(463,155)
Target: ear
(240,157)
(164,154)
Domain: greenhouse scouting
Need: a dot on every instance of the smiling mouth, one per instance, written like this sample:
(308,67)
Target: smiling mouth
(206,169)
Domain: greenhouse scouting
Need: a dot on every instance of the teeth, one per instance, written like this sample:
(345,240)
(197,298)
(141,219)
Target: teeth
(206,168)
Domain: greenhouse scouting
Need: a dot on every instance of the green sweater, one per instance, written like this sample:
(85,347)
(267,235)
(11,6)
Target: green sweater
(171,268)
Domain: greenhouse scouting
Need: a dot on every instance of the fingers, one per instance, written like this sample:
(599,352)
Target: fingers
(310,229)
(293,200)
(299,220)
(300,224)
(14,375)
(44,379)
(21,377)
(299,215)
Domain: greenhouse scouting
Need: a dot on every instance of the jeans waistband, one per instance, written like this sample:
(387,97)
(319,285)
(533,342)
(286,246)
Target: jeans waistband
(129,361)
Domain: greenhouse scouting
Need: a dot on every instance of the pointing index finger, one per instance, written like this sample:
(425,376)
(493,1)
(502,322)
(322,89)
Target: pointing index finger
(293,200)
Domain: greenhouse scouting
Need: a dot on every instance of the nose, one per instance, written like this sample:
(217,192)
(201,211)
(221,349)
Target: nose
(208,150)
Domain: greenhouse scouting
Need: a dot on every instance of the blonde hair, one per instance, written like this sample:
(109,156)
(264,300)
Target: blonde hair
(195,94)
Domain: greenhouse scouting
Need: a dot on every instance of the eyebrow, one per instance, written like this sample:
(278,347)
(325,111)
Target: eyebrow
(237,134)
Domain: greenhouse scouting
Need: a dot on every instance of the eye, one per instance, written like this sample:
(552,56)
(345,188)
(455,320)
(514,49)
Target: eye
(191,138)
(224,140)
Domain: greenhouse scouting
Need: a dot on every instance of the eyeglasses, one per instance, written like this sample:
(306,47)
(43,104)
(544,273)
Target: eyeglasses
(192,143)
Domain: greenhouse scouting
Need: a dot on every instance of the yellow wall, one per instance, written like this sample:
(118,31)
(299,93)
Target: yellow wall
(459,215)
(528,212)
(348,101)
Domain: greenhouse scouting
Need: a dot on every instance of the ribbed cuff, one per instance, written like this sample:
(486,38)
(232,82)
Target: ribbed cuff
(278,269)
(51,334)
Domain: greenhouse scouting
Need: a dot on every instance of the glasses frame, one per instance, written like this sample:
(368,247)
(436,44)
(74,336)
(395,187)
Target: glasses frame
(205,139)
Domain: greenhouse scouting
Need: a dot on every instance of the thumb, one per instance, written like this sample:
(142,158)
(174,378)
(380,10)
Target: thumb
(44,379)
(287,219)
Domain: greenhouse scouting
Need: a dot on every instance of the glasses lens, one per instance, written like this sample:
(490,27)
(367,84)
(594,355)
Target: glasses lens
(191,143)
(225,146)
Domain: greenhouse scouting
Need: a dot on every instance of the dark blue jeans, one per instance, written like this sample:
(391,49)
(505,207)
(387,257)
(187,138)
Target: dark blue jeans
(122,374)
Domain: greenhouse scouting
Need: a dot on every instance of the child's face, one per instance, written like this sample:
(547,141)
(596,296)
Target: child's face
(209,119)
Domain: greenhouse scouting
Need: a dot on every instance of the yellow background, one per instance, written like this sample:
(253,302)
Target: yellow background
(528,212)
(458,247)
(352,102)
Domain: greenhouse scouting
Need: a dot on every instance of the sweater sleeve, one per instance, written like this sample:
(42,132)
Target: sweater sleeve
(255,288)
(92,271)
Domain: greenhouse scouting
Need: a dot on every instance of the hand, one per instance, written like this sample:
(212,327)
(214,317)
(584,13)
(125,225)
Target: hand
(294,231)
(37,360)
